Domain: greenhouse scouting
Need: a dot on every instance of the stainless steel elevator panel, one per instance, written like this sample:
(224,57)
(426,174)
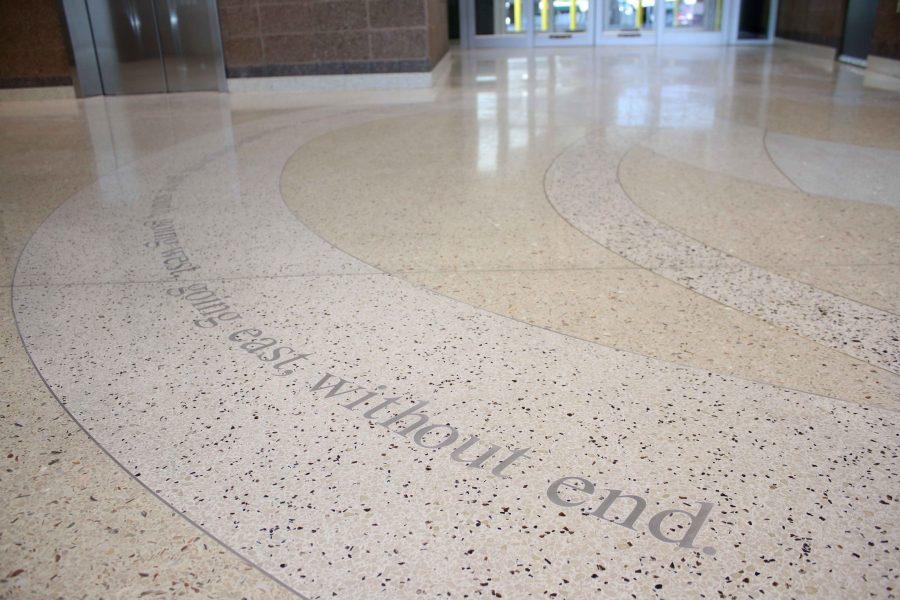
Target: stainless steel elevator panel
(127,43)
(85,71)
(145,46)
(191,45)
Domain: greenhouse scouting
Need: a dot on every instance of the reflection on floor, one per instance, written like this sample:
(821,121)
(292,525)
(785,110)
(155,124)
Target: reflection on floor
(613,321)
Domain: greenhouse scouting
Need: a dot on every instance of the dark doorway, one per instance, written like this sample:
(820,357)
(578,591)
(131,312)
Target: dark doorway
(484,17)
(453,18)
(754,20)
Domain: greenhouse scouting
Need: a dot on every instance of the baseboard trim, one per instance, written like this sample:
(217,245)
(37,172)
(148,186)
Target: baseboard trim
(885,66)
(59,92)
(883,73)
(812,50)
(339,82)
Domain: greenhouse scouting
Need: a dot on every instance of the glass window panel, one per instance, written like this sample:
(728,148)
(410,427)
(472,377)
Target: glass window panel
(624,15)
(694,15)
(561,16)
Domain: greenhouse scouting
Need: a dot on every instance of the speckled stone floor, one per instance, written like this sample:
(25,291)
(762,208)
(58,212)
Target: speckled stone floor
(614,322)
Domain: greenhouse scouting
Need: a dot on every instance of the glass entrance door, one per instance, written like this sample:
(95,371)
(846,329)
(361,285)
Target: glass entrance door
(526,23)
(562,22)
(497,23)
(628,22)
(662,22)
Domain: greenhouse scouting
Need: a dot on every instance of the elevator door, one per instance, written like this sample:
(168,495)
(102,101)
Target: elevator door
(154,46)
(191,45)
(127,43)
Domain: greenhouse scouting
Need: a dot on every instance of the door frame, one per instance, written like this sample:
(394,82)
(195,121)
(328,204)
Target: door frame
(659,35)
(468,38)
(598,37)
(529,38)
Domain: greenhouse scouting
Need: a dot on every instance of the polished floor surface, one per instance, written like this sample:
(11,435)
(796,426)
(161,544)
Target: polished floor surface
(613,322)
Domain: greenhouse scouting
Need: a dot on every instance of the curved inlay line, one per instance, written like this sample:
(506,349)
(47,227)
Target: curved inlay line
(136,478)
(122,180)
(582,184)
(103,448)
(838,170)
(732,149)
(765,145)
(317,493)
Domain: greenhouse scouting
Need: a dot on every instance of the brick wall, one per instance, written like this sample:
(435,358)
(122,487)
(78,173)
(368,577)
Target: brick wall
(33,49)
(306,37)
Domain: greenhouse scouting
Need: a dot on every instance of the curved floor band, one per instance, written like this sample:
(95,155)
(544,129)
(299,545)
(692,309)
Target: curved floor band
(601,209)
(361,327)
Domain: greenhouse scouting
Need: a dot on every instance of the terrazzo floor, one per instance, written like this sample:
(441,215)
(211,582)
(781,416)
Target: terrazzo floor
(613,322)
